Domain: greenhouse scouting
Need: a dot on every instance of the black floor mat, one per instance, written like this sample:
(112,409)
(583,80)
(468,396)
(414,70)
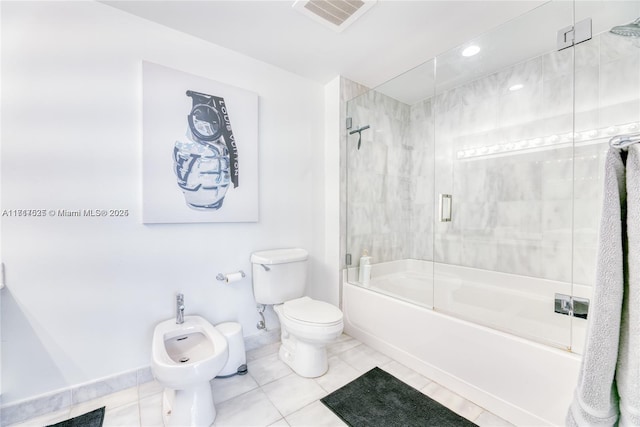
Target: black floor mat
(377,398)
(90,419)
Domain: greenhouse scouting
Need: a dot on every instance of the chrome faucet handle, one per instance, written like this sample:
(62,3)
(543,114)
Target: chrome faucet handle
(179,308)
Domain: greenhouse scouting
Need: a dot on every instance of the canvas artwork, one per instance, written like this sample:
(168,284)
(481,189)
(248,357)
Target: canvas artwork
(200,149)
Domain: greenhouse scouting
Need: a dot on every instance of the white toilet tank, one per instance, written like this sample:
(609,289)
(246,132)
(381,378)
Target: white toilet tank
(279,275)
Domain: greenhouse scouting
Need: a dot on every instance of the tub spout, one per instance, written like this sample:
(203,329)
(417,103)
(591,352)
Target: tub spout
(179,309)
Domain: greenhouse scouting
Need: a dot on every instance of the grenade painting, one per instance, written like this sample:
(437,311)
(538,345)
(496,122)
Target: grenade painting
(206,161)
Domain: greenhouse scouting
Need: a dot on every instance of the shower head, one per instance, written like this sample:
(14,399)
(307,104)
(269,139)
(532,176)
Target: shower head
(629,30)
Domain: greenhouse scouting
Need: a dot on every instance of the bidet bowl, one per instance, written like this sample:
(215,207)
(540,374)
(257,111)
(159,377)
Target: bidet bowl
(186,354)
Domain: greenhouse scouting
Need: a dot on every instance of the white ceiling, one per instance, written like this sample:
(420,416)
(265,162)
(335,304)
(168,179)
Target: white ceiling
(391,38)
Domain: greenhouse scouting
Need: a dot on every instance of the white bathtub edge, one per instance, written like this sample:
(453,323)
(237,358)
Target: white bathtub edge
(540,363)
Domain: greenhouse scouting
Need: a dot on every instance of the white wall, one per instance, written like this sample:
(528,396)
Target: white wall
(332,265)
(83,294)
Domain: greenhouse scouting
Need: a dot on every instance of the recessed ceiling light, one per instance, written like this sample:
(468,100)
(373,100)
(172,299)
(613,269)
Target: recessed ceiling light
(516,87)
(471,50)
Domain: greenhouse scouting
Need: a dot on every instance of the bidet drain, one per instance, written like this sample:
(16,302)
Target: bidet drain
(184,359)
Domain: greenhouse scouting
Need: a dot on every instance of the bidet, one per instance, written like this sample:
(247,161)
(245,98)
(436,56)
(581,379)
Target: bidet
(185,357)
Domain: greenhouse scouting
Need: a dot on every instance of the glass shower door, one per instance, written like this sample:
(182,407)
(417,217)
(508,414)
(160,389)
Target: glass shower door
(504,177)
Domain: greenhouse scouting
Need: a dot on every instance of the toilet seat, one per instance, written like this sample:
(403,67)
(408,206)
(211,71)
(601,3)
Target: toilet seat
(311,312)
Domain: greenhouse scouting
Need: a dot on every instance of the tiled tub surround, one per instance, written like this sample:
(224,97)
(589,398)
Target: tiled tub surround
(263,397)
(525,212)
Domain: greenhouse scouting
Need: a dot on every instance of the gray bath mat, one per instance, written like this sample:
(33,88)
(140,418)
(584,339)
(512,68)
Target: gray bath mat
(377,398)
(90,419)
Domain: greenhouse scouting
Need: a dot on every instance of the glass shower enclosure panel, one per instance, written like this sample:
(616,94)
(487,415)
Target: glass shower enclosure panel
(607,103)
(390,167)
(504,177)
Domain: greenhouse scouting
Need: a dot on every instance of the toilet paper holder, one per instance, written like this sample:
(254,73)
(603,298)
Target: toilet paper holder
(223,277)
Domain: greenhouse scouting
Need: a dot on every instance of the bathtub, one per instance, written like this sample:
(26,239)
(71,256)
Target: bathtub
(492,337)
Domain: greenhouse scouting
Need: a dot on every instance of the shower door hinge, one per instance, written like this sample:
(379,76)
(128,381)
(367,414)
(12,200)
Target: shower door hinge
(571,306)
(349,122)
(572,35)
(347,259)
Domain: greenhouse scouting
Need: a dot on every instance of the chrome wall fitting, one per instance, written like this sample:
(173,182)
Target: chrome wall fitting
(571,306)
(261,324)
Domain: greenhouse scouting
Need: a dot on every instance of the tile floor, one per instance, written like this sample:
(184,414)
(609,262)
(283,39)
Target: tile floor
(271,394)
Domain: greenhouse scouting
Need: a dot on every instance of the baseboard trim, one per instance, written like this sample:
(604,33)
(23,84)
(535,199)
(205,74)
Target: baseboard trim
(58,400)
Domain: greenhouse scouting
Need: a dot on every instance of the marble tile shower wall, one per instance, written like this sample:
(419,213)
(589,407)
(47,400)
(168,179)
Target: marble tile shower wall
(607,82)
(534,212)
(505,218)
(421,138)
(390,182)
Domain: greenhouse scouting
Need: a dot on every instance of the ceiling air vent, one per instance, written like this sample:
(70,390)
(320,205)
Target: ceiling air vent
(335,14)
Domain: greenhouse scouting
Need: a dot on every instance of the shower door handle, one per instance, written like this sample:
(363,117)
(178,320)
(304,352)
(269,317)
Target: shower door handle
(445,207)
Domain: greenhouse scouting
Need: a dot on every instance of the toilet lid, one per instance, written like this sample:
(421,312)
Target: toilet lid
(307,310)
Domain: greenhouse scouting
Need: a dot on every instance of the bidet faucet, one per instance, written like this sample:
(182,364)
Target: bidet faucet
(179,309)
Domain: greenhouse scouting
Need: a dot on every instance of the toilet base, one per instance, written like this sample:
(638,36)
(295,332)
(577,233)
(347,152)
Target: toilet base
(192,407)
(306,359)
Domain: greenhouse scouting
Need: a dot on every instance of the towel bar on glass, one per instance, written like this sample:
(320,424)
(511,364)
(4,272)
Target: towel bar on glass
(623,141)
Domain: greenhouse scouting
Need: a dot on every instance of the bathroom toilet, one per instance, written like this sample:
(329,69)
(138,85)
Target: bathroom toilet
(184,358)
(307,325)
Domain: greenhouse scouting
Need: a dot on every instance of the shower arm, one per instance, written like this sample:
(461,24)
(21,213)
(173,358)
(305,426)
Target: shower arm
(359,132)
